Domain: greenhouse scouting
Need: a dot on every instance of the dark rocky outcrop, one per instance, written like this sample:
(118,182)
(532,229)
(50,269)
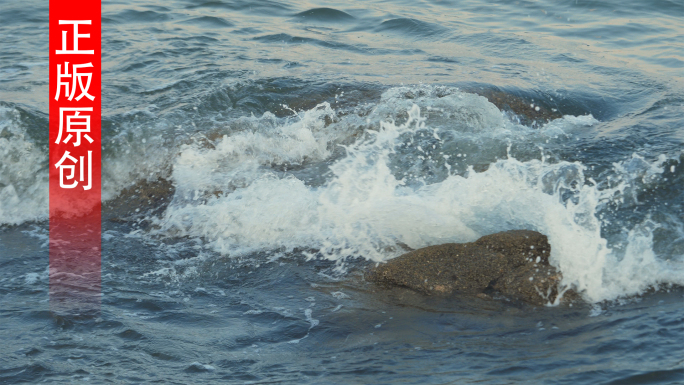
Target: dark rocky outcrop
(512,263)
(529,111)
(139,201)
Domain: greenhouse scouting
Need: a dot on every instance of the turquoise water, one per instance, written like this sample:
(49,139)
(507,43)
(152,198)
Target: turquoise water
(259,155)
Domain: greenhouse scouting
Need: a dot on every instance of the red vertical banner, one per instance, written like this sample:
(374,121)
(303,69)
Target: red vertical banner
(75,156)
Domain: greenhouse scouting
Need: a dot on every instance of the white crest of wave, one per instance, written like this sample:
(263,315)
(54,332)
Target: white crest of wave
(237,159)
(23,176)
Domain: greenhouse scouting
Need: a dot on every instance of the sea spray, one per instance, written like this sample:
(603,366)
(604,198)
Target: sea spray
(365,208)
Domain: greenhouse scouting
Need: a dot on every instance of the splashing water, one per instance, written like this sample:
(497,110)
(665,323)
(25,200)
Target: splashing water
(364,209)
(23,178)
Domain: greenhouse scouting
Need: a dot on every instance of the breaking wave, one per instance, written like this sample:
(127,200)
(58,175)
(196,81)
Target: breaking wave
(424,165)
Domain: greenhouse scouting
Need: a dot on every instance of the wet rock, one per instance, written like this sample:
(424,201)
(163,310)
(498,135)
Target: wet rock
(144,198)
(512,263)
(529,111)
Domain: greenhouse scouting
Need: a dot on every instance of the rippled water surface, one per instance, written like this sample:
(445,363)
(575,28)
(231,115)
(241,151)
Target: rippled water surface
(260,155)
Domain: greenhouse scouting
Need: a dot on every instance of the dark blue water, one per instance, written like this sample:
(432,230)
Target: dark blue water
(259,155)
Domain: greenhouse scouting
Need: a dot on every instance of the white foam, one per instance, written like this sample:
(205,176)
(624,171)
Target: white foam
(235,160)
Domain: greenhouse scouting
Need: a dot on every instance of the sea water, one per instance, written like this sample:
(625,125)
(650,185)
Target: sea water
(259,155)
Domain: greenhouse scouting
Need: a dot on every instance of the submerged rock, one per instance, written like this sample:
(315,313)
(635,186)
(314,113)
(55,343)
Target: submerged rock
(143,199)
(529,111)
(512,263)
